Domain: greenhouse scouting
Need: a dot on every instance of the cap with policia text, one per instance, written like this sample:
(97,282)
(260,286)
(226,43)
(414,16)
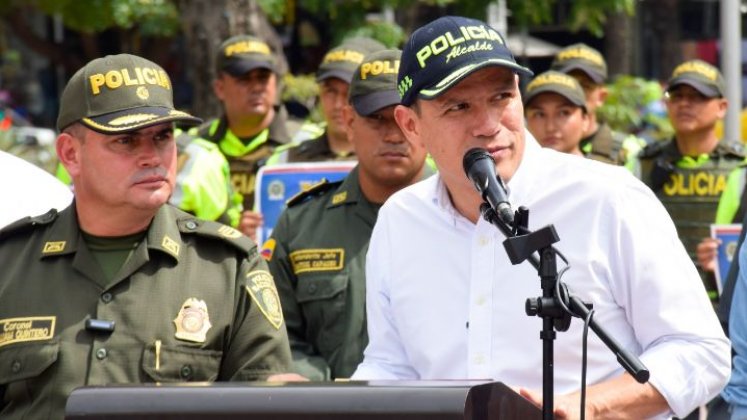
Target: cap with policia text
(341,62)
(701,76)
(556,82)
(241,54)
(581,57)
(119,93)
(442,53)
(374,85)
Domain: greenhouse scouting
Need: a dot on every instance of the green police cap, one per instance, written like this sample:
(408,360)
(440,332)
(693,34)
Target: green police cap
(700,75)
(340,62)
(241,54)
(581,57)
(374,84)
(555,82)
(119,93)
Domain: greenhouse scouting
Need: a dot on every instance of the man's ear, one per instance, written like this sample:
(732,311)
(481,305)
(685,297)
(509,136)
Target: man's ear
(218,86)
(602,95)
(723,104)
(68,152)
(348,115)
(408,121)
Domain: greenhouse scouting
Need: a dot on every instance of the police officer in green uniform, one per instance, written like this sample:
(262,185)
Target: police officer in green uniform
(317,250)
(121,287)
(600,142)
(333,77)
(555,111)
(689,172)
(252,125)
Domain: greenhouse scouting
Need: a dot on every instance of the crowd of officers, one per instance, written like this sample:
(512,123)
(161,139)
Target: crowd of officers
(316,252)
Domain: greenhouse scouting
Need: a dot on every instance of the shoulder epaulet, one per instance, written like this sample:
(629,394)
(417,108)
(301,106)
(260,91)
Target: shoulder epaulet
(314,190)
(731,148)
(29,222)
(216,230)
(653,149)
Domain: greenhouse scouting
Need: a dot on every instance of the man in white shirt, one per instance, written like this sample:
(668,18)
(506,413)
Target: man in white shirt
(28,190)
(443,300)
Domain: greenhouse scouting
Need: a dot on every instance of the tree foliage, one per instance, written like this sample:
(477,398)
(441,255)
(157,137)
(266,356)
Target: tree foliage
(149,17)
(585,14)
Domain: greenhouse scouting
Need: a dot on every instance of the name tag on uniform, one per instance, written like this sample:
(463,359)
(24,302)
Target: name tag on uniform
(328,259)
(18,330)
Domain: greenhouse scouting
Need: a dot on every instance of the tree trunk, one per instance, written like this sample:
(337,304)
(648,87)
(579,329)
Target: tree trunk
(206,24)
(618,44)
(665,26)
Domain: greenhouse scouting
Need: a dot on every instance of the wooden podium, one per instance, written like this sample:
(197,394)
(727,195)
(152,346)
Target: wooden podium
(302,400)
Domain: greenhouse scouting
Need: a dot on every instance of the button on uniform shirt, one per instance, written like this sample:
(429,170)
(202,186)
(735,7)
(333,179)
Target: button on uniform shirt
(444,302)
(194,302)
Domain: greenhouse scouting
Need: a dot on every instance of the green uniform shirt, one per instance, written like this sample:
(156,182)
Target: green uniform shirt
(318,262)
(194,302)
(317,254)
(613,147)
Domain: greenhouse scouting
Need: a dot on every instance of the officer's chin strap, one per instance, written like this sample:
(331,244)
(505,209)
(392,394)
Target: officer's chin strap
(557,305)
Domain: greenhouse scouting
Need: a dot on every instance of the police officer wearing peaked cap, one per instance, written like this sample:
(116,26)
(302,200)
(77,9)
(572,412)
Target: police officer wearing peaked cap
(600,142)
(317,250)
(253,125)
(121,287)
(333,78)
(689,172)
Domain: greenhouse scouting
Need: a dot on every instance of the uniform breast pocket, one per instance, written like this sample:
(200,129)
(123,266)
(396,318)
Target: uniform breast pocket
(177,364)
(21,369)
(323,300)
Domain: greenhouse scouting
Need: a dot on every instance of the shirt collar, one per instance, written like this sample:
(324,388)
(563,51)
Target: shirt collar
(64,235)
(516,189)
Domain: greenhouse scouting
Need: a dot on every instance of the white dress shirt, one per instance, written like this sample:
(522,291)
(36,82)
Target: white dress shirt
(444,301)
(27,190)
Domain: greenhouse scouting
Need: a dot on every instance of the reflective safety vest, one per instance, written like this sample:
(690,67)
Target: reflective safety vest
(689,187)
(245,157)
(203,185)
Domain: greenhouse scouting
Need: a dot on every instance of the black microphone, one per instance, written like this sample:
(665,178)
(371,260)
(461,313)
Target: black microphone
(480,169)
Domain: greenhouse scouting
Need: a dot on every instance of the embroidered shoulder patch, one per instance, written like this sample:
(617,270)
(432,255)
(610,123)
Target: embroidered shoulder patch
(262,290)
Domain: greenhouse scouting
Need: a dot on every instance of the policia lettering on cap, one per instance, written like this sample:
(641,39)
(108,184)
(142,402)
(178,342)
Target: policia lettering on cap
(134,290)
(462,43)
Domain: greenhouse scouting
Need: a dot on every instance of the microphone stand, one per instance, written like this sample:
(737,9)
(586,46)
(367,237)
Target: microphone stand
(556,305)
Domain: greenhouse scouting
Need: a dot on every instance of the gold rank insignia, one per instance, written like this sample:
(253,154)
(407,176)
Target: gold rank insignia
(170,245)
(339,197)
(192,323)
(53,247)
(261,288)
(229,232)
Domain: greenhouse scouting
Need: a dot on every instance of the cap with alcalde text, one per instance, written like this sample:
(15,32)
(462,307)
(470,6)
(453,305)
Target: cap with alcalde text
(374,85)
(442,53)
(699,75)
(119,93)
